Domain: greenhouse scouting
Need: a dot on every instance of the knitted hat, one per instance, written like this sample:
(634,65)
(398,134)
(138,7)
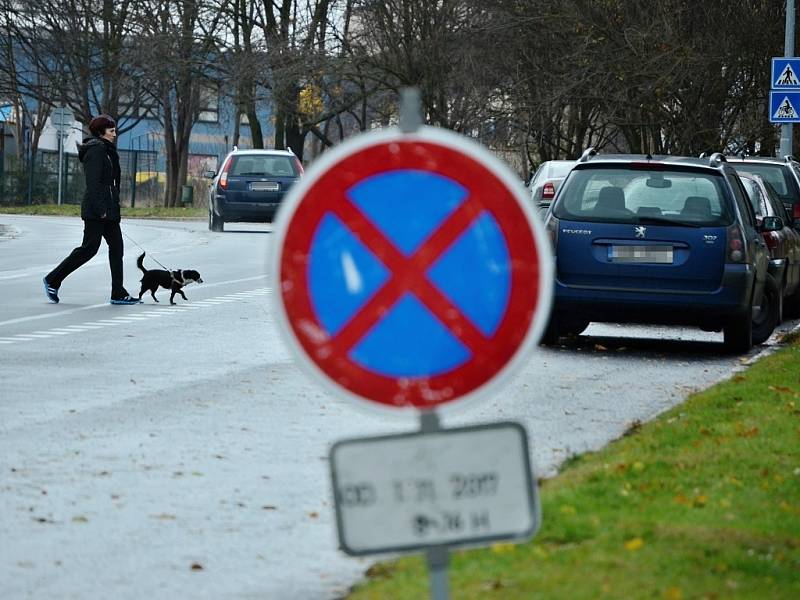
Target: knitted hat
(100,123)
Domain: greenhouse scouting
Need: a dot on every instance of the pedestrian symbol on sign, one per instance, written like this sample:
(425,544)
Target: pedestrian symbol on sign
(785,110)
(787,77)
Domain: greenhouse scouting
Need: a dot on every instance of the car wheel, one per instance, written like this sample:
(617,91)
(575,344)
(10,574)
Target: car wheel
(215,223)
(766,319)
(739,334)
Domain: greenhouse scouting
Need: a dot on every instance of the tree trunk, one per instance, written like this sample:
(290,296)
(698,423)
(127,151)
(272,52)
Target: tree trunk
(280,129)
(256,136)
(295,137)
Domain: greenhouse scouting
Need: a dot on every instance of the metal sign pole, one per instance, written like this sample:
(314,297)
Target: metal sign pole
(437,558)
(788,43)
(60,160)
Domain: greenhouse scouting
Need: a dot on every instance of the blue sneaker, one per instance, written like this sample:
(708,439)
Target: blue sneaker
(126,300)
(50,291)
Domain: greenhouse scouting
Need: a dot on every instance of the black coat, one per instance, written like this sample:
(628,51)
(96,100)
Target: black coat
(101,166)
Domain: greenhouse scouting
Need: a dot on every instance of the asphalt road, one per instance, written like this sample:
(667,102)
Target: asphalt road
(177,451)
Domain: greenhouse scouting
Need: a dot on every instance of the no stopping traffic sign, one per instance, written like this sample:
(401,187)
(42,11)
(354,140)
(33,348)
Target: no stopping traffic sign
(410,269)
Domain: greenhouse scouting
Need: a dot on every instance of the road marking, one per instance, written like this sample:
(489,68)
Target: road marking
(130,318)
(56,313)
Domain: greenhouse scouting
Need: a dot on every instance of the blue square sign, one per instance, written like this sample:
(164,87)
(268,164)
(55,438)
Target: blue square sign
(784,107)
(785,73)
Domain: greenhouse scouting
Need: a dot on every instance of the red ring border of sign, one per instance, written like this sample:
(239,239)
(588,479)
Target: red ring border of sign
(372,153)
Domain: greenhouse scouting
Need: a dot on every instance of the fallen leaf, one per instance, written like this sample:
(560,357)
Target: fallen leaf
(501,548)
(748,433)
(540,552)
(269,507)
(634,544)
(497,584)
(80,519)
(781,388)
(313,514)
(673,593)
(197,567)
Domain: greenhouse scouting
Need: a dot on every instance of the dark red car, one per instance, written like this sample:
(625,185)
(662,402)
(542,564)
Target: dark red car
(784,244)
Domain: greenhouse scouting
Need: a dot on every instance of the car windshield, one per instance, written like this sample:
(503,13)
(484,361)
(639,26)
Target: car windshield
(265,166)
(633,195)
(775,175)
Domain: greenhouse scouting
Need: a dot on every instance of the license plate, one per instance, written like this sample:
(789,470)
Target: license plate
(264,186)
(641,254)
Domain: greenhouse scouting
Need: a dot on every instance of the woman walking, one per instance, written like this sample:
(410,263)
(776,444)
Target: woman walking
(99,210)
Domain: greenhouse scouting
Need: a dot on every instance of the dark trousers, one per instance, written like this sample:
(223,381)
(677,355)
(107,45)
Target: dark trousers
(93,232)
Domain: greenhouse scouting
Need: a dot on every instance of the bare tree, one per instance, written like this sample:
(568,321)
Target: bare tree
(183,47)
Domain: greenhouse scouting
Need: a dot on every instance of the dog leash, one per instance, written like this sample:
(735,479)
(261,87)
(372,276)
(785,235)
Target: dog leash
(145,251)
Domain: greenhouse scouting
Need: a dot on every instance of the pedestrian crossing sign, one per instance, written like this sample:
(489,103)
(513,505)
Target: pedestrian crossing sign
(784,106)
(786,74)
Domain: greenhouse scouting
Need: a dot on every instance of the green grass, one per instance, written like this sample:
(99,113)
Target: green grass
(703,502)
(71,210)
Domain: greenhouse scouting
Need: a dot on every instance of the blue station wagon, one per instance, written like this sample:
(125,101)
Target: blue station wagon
(659,240)
(251,186)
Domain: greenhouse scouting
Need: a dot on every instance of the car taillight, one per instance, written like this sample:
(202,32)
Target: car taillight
(299,166)
(223,179)
(772,239)
(548,191)
(796,211)
(736,251)
(551,227)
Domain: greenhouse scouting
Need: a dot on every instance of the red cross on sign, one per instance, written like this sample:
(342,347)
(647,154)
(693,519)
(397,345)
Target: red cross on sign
(412,271)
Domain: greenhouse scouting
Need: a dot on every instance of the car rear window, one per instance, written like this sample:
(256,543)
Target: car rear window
(633,195)
(264,166)
(776,175)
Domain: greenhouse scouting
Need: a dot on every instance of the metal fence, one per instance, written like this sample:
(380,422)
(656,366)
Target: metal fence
(142,184)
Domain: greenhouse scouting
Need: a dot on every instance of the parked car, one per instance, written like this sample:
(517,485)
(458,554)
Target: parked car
(250,186)
(660,240)
(782,174)
(783,244)
(545,182)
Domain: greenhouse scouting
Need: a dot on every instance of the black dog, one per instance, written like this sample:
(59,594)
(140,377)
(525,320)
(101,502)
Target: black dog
(171,280)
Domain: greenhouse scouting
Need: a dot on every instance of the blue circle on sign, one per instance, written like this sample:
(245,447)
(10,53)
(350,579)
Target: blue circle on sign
(474,273)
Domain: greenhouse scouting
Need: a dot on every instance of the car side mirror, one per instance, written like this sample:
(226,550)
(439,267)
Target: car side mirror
(209,174)
(771,224)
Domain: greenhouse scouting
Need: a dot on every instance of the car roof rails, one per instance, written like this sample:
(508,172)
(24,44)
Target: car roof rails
(235,149)
(703,155)
(587,154)
(789,158)
(716,158)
